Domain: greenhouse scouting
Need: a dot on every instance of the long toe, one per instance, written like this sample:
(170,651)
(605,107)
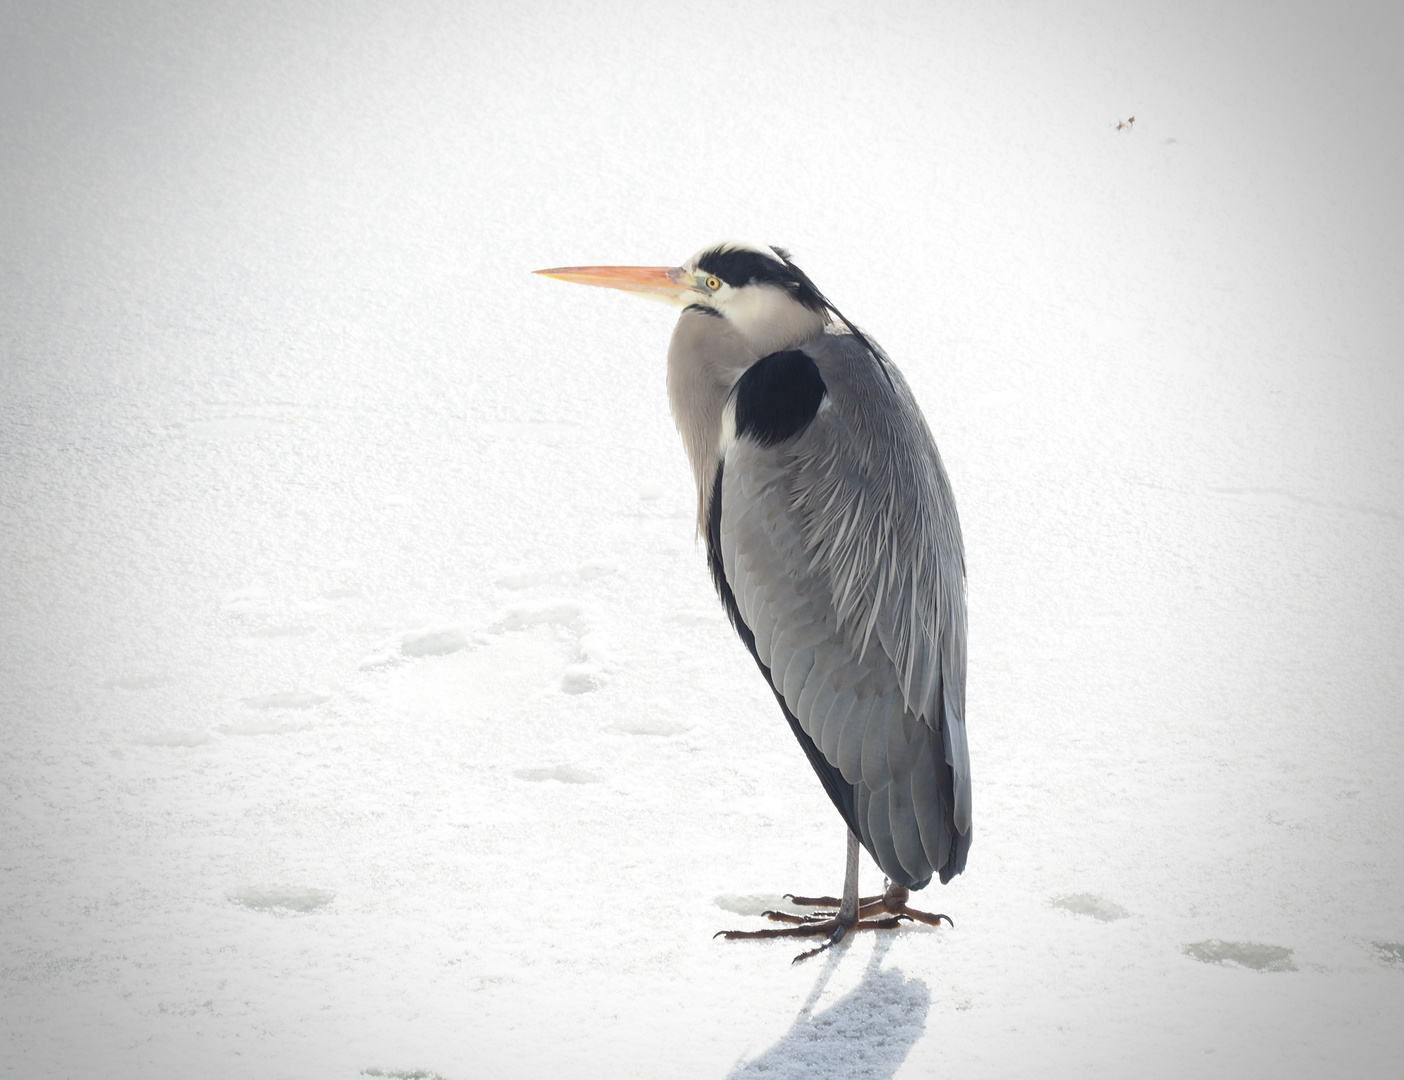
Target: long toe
(832,928)
(804,929)
(813,901)
(925,916)
(791,917)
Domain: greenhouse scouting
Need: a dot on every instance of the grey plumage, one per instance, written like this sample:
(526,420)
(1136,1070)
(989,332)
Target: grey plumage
(843,552)
(834,542)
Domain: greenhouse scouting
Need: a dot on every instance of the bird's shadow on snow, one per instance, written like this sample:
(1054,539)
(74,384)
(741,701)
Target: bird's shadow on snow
(866,1033)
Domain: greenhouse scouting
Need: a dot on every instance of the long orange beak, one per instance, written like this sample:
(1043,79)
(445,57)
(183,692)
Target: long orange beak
(668,283)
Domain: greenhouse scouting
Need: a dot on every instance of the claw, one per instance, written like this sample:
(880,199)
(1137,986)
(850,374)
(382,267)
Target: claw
(926,917)
(834,938)
(812,952)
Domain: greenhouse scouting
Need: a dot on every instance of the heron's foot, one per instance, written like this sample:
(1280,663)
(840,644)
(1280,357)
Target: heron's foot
(885,912)
(828,925)
(893,901)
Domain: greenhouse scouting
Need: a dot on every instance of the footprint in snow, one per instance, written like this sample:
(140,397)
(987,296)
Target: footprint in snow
(1391,952)
(416,644)
(282,899)
(755,904)
(1244,954)
(279,703)
(585,672)
(1093,906)
(439,642)
(269,726)
(563,774)
(244,601)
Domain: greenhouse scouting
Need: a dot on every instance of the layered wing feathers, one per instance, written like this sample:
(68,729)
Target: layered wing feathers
(841,548)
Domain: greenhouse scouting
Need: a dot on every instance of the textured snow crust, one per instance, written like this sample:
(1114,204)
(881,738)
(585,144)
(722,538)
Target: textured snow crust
(365,708)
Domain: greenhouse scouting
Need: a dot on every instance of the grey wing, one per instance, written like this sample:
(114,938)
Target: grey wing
(842,551)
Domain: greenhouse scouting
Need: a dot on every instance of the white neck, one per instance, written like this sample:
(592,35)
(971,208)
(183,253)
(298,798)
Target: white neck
(770,320)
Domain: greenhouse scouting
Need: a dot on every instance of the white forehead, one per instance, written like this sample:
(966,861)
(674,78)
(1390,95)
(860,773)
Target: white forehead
(733,245)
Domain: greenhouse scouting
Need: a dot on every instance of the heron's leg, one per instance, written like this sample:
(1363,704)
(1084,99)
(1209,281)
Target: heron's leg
(846,918)
(846,915)
(850,887)
(834,925)
(848,910)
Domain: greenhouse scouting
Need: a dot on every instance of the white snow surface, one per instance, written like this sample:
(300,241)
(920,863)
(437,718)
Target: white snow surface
(367,709)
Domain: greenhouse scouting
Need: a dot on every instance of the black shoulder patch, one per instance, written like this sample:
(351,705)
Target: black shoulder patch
(778,397)
(840,791)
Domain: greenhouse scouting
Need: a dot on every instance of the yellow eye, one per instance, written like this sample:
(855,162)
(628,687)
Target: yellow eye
(713,284)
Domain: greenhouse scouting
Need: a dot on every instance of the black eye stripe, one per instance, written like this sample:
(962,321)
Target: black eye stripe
(739,267)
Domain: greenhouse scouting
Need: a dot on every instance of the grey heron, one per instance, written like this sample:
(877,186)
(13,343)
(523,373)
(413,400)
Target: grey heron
(833,541)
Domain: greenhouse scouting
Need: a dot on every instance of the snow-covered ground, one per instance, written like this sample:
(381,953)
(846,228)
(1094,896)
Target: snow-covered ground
(366,707)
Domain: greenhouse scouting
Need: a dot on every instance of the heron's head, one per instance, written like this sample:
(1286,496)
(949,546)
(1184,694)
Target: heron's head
(756,289)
